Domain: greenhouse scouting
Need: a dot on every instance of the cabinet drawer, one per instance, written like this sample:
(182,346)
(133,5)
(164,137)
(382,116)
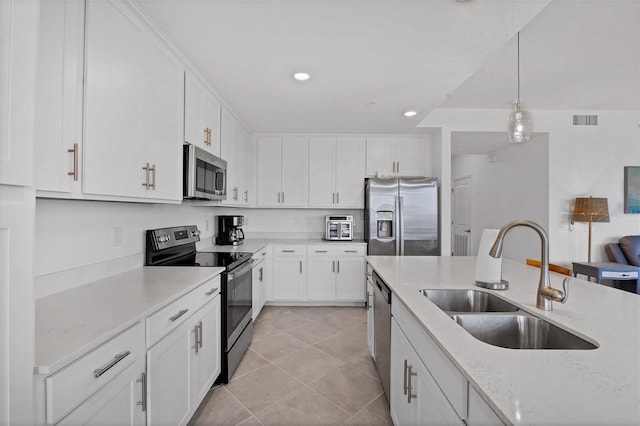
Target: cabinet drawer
(289,250)
(449,379)
(260,254)
(171,316)
(336,250)
(620,275)
(73,384)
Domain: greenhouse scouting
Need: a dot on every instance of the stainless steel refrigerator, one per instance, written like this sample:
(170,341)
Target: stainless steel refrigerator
(401,216)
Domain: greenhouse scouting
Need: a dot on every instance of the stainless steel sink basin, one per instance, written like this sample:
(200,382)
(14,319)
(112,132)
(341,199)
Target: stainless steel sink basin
(461,300)
(520,332)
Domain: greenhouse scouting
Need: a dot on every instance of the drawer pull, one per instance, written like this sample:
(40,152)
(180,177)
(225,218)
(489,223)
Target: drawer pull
(351,251)
(178,315)
(116,359)
(321,251)
(288,251)
(210,292)
(143,403)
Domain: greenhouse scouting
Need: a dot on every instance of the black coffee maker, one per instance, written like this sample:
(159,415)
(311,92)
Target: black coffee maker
(230,230)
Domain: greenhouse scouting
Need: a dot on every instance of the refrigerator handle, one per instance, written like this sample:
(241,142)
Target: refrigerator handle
(397,223)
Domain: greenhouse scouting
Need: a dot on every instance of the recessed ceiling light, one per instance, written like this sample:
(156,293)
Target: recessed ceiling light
(410,113)
(302,76)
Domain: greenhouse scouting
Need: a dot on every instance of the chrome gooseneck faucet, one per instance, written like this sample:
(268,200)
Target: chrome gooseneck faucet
(546,293)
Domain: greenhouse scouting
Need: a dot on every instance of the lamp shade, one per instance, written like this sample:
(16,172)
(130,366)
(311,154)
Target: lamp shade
(590,210)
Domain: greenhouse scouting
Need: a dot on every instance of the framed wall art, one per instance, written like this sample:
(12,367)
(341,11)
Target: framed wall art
(632,189)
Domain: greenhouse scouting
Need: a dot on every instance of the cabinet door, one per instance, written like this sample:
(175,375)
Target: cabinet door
(350,284)
(402,412)
(117,113)
(205,360)
(168,380)
(248,169)
(350,173)
(165,149)
(479,411)
(18,44)
(433,407)
(120,402)
(194,128)
(58,111)
(321,284)
(295,171)
(410,155)
(211,121)
(322,171)
(232,153)
(289,278)
(269,171)
(380,156)
(370,330)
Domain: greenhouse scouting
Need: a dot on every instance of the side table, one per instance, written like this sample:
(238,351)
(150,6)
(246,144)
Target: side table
(608,271)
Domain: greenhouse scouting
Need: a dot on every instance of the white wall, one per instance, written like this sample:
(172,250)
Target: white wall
(583,161)
(76,240)
(515,172)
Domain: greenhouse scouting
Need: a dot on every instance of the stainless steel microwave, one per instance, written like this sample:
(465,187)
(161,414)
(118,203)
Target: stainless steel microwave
(205,175)
(339,228)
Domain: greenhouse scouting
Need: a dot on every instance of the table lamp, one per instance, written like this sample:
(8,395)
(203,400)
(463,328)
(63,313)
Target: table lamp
(590,210)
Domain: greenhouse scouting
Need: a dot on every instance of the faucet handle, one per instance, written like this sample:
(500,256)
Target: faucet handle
(565,290)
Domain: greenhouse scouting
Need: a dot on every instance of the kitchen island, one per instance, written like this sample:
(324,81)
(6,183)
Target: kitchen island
(599,386)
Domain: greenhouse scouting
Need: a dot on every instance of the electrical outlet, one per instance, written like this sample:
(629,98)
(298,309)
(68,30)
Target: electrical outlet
(117,236)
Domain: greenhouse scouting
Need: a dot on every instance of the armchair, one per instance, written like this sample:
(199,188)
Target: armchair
(626,251)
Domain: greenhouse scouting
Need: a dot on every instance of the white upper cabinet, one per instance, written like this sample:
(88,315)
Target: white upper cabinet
(133,108)
(397,156)
(233,136)
(201,116)
(336,172)
(58,112)
(18,47)
(282,171)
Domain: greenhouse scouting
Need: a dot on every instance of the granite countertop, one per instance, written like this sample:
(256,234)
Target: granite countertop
(72,322)
(600,386)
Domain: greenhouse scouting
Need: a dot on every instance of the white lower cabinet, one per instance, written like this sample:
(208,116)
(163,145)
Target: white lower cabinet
(120,402)
(183,365)
(370,329)
(416,398)
(289,273)
(259,281)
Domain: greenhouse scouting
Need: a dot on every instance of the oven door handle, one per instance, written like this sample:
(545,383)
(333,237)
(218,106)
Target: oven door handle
(240,270)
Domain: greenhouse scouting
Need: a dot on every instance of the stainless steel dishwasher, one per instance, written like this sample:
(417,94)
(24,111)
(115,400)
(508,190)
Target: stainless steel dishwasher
(382,330)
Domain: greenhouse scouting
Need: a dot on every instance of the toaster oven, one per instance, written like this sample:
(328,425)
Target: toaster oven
(339,228)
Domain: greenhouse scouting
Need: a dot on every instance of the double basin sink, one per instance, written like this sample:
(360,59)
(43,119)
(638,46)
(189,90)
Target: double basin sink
(500,323)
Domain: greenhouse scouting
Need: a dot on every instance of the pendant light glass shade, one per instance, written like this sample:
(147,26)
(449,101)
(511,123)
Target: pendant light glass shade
(519,125)
(519,121)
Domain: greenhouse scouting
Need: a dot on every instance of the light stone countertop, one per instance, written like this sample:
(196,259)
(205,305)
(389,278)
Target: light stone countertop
(254,245)
(72,322)
(577,387)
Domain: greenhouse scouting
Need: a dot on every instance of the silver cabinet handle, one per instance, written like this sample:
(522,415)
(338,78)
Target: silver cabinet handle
(338,268)
(337,198)
(152,169)
(404,375)
(200,328)
(333,198)
(288,251)
(143,380)
(116,359)
(260,273)
(198,336)
(246,196)
(235,193)
(146,176)
(409,374)
(333,266)
(398,166)
(278,198)
(74,173)
(210,292)
(301,266)
(178,315)
(351,251)
(321,251)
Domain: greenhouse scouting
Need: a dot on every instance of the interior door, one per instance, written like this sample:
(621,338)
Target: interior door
(461,214)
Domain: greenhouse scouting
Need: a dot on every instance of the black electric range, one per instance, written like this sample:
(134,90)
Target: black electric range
(177,247)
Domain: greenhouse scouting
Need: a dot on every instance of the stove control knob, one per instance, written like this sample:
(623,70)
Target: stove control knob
(195,233)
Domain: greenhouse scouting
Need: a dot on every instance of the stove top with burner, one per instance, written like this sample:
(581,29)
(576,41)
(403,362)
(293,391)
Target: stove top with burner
(203,258)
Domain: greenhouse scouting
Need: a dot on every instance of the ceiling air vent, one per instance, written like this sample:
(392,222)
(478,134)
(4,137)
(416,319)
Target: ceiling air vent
(585,120)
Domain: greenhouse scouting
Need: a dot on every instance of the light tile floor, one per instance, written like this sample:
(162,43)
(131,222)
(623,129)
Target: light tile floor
(305,366)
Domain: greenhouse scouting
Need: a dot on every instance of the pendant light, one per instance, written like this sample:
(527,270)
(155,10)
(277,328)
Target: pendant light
(519,121)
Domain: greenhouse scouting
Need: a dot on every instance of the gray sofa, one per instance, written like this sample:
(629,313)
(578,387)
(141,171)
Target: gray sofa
(626,251)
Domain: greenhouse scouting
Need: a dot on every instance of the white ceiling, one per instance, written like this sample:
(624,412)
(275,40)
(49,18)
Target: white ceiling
(370,60)
(576,54)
